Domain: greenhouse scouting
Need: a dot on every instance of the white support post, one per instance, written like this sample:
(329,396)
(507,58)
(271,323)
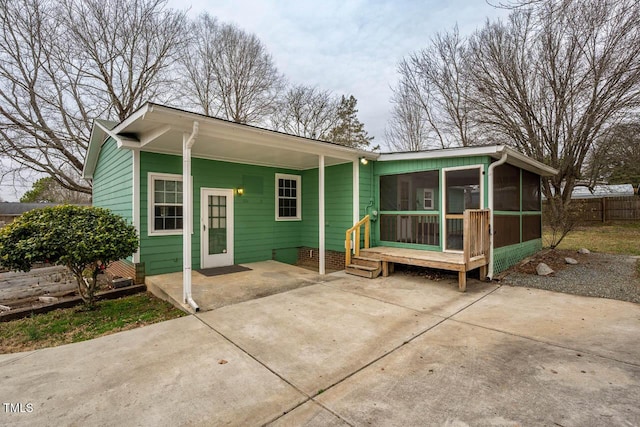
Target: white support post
(356,191)
(321,221)
(135,206)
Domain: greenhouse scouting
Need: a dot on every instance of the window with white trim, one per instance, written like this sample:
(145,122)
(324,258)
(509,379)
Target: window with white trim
(428,199)
(288,196)
(165,204)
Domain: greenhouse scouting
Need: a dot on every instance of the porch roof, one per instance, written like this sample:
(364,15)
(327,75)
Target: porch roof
(514,157)
(158,128)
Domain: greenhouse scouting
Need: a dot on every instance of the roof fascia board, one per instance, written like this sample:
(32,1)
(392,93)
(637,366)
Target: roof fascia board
(537,166)
(263,137)
(251,163)
(491,150)
(494,151)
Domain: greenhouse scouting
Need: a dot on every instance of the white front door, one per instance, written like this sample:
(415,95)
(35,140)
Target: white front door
(216,226)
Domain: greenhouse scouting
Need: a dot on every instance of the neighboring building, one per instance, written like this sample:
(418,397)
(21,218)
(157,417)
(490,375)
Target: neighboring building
(602,190)
(261,195)
(11,210)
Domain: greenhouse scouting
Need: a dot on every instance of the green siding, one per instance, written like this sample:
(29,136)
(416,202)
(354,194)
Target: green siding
(338,206)
(113,180)
(160,254)
(257,234)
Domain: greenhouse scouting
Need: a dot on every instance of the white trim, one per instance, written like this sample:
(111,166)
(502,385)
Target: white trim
(443,211)
(298,179)
(356,191)
(442,153)
(152,136)
(151,176)
(321,221)
(424,199)
(495,151)
(135,207)
(229,256)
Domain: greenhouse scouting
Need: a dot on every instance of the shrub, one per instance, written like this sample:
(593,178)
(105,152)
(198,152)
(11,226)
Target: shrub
(80,238)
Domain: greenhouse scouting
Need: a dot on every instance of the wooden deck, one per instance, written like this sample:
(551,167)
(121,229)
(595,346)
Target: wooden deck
(431,259)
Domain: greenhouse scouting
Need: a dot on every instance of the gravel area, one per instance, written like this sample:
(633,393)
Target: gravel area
(596,275)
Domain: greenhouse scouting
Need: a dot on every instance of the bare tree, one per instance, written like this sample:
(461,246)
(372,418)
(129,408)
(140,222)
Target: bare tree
(408,128)
(553,79)
(306,111)
(64,63)
(435,79)
(615,158)
(241,82)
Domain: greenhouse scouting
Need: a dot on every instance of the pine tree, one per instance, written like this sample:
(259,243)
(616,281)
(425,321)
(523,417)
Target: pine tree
(349,131)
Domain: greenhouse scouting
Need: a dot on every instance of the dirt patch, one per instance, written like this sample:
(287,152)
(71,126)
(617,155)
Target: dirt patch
(596,274)
(553,258)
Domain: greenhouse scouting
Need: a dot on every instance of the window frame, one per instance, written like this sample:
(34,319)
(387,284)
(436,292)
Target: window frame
(432,199)
(298,180)
(151,178)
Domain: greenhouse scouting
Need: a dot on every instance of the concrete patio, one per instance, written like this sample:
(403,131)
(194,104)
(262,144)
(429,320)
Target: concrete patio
(262,279)
(395,351)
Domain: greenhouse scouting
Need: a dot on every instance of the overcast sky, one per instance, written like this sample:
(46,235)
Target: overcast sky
(347,47)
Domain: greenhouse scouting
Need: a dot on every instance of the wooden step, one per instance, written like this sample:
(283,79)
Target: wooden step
(368,262)
(363,271)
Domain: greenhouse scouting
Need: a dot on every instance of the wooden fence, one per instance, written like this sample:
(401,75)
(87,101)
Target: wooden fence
(608,209)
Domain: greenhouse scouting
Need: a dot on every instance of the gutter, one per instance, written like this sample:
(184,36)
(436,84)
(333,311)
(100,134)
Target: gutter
(492,166)
(187,221)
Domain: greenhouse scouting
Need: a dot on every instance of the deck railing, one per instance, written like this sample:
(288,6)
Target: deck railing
(476,233)
(421,229)
(356,241)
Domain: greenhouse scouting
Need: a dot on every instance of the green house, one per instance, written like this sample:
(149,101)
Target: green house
(204,192)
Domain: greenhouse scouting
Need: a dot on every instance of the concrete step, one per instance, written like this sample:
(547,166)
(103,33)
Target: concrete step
(363,271)
(368,262)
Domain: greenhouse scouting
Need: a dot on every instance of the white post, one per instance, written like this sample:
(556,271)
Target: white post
(135,207)
(321,221)
(356,191)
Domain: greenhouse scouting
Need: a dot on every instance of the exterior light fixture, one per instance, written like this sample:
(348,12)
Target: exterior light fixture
(363,160)
(239,191)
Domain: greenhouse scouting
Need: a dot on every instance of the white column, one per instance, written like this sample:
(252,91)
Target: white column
(135,207)
(321,221)
(356,191)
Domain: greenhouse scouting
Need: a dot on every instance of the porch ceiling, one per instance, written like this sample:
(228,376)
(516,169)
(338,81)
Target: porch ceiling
(160,129)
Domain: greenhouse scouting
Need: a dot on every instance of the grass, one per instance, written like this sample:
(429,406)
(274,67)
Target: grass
(69,325)
(613,238)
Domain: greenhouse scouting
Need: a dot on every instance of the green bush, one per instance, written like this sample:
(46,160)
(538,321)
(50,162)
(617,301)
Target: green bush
(80,238)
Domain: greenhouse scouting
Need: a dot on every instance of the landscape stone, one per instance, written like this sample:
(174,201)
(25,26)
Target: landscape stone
(543,269)
(584,251)
(570,261)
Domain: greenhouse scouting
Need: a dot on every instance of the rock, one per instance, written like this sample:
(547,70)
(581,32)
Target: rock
(543,269)
(570,261)
(4,308)
(584,251)
(48,300)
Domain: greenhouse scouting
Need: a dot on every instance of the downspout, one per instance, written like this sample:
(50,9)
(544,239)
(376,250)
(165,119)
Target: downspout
(187,221)
(492,166)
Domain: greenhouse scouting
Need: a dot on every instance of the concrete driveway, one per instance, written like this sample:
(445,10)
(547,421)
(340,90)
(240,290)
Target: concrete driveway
(392,351)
